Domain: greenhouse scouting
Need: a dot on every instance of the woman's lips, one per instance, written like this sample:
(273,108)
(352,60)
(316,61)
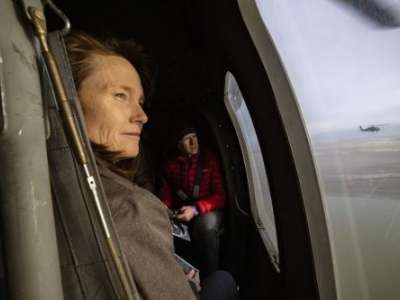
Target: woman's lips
(136,134)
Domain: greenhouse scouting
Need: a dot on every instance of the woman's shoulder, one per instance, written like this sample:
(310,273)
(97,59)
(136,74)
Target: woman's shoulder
(144,193)
(117,184)
(126,198)
(124,186)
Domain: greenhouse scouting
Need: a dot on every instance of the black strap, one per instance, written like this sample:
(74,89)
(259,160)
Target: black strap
(182,195)
(197,181)
(85,268)
(199,174)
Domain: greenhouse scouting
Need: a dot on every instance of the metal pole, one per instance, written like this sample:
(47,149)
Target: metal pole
(39,22)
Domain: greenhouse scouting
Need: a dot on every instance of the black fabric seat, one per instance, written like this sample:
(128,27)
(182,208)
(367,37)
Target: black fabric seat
(85,263)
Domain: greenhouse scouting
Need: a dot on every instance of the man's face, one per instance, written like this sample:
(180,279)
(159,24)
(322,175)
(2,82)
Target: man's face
(189,144)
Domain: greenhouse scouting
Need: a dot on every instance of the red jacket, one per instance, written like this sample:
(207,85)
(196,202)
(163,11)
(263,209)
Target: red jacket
(180,174)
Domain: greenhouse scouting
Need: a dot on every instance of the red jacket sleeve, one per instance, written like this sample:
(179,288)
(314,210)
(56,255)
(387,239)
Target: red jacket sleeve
(216,199)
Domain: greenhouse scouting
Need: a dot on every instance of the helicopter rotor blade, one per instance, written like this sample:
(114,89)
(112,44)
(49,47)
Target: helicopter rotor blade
(383,13)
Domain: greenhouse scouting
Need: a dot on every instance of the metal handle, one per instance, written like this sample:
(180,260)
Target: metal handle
(67,23)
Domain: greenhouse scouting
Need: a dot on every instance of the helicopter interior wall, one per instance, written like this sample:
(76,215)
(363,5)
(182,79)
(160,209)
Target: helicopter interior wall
(250,264)
(2,273)
(298,278)
(194,43)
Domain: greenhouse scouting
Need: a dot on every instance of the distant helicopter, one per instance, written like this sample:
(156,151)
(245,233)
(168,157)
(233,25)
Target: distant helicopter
(370,129)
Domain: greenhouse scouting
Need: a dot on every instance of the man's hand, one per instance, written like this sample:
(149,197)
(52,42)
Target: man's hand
(186,213)
(194,277)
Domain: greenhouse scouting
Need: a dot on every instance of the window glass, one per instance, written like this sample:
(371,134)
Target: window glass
(342,60)
(260,197)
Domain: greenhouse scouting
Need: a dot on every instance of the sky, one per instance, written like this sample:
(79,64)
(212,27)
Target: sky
(345,69)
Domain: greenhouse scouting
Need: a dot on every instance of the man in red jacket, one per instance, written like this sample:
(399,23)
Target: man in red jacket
(193,187)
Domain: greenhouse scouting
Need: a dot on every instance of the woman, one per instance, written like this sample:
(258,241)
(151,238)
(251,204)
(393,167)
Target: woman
(112,82)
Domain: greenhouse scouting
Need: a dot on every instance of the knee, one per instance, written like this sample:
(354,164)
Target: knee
(224,278)
(203,229)
(209,221)
(225,284)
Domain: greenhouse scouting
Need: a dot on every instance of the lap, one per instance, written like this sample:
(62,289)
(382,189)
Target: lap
(209,221)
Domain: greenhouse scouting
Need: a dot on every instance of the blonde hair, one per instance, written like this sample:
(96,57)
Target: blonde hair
(82,46)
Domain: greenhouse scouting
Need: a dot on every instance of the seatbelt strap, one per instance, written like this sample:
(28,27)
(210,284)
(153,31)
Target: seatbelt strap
(80,238)
(199,174)
(197,181)
(179,192)
(182,195)
(76,137)
(57,44)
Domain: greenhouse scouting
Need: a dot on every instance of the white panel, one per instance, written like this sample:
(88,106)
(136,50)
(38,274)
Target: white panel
(260,196)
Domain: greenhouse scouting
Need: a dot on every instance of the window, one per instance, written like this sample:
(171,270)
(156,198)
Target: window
(342,60)
(260,197)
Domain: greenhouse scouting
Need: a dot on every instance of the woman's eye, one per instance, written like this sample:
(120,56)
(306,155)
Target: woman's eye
(121,96)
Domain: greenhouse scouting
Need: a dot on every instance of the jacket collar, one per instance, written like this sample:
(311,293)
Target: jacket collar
(106,171)
(185,157)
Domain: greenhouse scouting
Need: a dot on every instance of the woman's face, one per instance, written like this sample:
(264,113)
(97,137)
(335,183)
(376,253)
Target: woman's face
(112,98)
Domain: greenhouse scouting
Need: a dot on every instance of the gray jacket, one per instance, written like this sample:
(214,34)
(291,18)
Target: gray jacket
(144,230)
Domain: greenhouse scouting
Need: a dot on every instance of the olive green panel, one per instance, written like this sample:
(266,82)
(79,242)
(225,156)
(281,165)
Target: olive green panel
(31,256)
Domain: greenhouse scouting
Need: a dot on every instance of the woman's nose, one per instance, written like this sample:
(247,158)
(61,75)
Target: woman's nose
(138,114)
